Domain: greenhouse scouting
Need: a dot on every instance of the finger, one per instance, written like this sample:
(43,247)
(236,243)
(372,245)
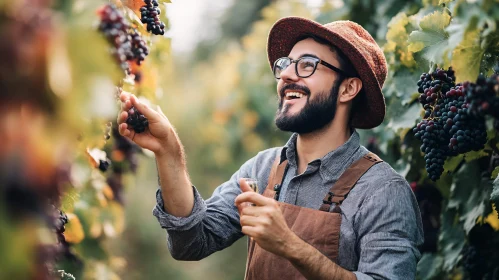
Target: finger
(144,109)
(126,105)
(245,187)
(250,221)
(253,197)
(160,111)
(251,211)
(124,131)
(122,117)
(250,231)
(124,96)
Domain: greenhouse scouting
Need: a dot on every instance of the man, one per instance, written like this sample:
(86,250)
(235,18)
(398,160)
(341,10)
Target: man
(327,208)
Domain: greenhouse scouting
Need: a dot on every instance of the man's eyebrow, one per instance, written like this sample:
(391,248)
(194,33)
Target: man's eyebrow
(309,55)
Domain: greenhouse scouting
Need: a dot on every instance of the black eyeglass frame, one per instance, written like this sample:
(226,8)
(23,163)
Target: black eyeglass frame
(318,60)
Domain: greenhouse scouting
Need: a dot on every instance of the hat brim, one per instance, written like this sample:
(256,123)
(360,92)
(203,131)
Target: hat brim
(285,34)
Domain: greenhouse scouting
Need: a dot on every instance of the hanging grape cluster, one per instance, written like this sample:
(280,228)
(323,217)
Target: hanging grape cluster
(448,128)
(150,15)
(483,96)
(127,43)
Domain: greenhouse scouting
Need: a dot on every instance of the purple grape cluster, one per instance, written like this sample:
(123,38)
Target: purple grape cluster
(430,84)
(447,128)
(136,120)
(139,47)
(483,96)
(115,28)
(150,15)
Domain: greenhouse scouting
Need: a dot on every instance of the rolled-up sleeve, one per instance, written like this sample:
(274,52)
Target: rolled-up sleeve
(212,225)
(389,231)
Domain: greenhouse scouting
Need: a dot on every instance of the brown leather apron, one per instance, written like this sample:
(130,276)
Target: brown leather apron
(319,228)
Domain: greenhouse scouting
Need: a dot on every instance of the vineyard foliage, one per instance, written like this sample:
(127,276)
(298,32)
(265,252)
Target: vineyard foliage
(59,81)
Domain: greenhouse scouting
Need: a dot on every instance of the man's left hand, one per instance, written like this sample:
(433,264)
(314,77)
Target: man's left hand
(263,221)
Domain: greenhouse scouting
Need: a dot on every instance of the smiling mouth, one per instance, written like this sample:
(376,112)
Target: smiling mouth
(291,95)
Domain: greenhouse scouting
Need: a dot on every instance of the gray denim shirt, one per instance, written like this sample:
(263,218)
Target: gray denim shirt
(380,227)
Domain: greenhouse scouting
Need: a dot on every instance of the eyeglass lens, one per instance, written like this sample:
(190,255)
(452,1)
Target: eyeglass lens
(305,66)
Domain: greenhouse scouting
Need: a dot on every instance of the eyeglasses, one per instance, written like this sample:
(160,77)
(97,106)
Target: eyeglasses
(305,66)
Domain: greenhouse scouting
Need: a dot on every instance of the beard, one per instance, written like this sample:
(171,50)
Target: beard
(315,115)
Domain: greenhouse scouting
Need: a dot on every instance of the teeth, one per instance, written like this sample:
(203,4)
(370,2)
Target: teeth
(295,94)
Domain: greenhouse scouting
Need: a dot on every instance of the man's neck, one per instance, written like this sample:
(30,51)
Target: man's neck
(317,144)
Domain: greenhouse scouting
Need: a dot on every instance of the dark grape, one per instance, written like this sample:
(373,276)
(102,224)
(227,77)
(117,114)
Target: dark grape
(149,14)
(136,120)
(104,165)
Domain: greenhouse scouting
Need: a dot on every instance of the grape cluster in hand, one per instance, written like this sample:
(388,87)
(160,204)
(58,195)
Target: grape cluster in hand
(136,120)
(150,15)
(447,128)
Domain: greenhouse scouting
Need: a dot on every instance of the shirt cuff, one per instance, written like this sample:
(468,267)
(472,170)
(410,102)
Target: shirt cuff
(170,222)
(362,276)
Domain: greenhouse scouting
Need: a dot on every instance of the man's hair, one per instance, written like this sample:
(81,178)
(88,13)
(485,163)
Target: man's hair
(345,65)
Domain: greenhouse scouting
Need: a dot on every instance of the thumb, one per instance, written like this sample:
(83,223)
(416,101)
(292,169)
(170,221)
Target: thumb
(245,187)
(144,109)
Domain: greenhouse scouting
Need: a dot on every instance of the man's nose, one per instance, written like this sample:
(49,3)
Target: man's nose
(289,74)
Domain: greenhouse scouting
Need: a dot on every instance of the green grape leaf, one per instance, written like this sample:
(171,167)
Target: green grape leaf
(451,239)
(69,199)
(469,195)
(407,119)
(473,155)
(432,39)
(467,56)
(452,163)
(495,172)
(494,196)
(444,2)
(430,266)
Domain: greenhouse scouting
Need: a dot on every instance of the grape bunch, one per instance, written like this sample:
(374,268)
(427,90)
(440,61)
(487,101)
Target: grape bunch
(432,136)
(447,129)
(139,47)
(150,15)
(115,28)
(136,120)
(431,84)
(483,96)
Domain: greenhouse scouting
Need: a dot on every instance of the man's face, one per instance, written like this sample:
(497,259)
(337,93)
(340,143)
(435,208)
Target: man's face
(316,105)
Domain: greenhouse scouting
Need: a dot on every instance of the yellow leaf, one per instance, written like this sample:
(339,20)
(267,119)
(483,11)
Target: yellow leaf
(74,231)
(493,220)
(416,47)
(467,56)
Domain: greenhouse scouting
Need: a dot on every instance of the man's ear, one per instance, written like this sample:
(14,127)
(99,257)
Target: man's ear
(349,88)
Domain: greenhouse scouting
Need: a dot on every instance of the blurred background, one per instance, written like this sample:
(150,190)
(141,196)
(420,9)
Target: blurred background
(210,75)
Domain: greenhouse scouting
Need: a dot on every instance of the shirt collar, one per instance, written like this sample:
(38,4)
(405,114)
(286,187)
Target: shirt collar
(331,163)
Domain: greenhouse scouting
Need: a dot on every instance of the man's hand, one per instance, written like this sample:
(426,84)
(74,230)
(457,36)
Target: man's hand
(160,136)
(264,221)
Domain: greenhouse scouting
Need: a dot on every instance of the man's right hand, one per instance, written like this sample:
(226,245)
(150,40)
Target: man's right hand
(159,137)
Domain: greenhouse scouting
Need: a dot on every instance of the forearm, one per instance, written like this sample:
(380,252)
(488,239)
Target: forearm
(176,187)
(313,264)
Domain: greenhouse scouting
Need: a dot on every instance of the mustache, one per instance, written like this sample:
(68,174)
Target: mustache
(294,87)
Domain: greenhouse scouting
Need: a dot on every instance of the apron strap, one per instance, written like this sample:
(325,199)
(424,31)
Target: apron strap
(275,177)
(347,181)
